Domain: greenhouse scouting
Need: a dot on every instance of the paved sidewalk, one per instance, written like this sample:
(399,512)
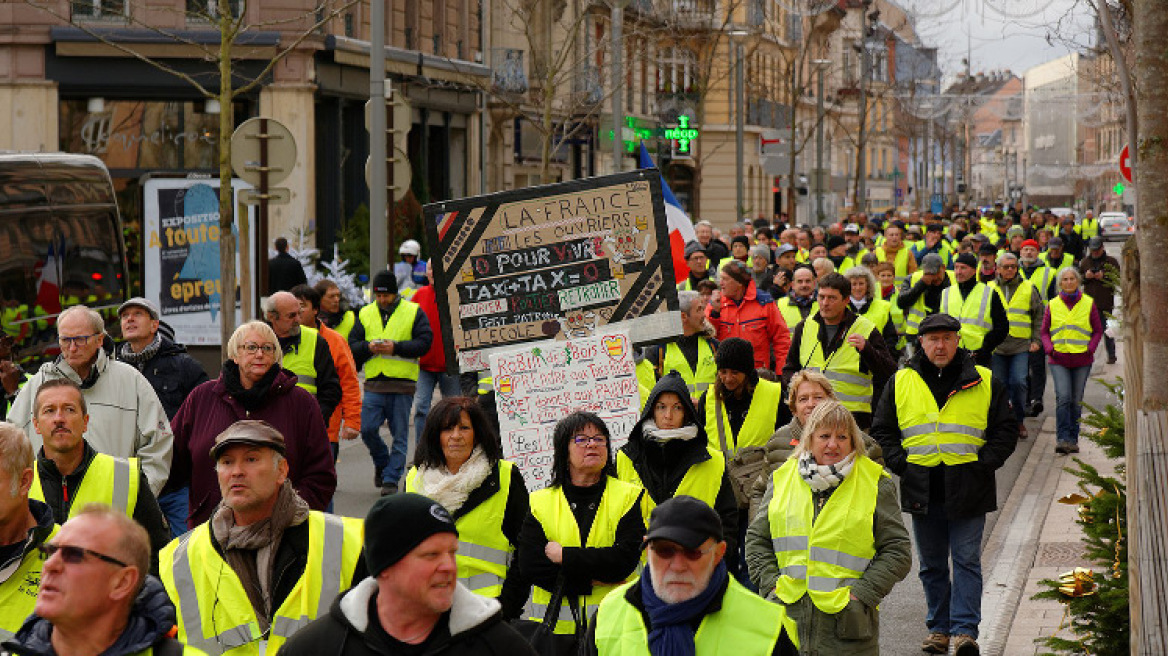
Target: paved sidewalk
(1040,539)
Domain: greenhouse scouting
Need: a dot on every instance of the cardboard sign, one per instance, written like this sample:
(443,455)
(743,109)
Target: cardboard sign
(537,386)
(554,262)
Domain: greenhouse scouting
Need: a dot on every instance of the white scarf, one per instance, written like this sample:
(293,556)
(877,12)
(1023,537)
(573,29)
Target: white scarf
(651,432)
(451,490)
(824,477)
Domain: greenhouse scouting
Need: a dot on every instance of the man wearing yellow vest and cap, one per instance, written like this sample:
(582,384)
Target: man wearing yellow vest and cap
(25,525)
(846,347)
(685,601)
(306,353)
(945,425)
(390,335)
(69,474)
(984,324)
(264,565)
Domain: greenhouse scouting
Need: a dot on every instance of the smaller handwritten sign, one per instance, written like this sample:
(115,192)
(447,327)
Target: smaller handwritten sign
(539,384)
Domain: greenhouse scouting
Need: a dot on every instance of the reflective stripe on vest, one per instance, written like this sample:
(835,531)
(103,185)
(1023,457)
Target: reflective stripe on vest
(792,314)
(822,555)
(1070,328)
(214,613)
(484,552)
(951,435)
(550,508)
(758,426)
(1043,285)
(701,481)
(399,328)
(917,313)
(18,594)
(302,360)
(900,266)
(486,385)
(853,387)
(1017,308)
(707,372)
(108,480)
(745,623)
(972,311)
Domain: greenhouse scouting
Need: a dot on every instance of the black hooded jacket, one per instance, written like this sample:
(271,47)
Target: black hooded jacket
(173,374)
(662,465)
(151,619)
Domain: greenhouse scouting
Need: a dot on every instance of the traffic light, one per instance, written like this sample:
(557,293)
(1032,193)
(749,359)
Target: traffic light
(399,120)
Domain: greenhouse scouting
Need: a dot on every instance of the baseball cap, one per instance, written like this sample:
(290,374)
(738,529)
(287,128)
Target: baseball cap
(783,249)
(685,520)
(1095,242)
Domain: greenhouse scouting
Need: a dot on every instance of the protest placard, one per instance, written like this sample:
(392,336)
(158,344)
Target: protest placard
(554,262)
(536,386)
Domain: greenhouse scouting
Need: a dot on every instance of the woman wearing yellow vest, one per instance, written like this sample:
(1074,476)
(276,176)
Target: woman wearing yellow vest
(459,464)
(668,454)
(583,534)
(865,301)
(828,542)
(1071,329)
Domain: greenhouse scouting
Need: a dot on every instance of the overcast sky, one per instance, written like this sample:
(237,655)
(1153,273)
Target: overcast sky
(996,41)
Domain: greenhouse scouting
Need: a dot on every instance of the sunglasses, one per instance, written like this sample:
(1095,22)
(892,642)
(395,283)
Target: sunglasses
(76,555)
(668,551)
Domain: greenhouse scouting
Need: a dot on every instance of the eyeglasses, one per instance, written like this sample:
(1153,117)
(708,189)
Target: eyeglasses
(586,440)
(250,348)
(80,340)
(667,551)
(1008,266)
(76,555)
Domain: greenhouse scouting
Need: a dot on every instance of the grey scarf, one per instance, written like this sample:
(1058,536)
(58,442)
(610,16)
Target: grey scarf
(126,352)
(251,550)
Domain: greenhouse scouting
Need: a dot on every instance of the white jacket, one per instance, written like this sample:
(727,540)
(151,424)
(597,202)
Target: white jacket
(126,418)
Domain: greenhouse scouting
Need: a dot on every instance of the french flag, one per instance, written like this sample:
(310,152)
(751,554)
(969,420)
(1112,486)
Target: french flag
(681,230)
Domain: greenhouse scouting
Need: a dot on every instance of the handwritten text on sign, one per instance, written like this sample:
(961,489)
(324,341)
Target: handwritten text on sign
(535,387)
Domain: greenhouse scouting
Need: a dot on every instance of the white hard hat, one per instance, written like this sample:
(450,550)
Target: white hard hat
(410,247)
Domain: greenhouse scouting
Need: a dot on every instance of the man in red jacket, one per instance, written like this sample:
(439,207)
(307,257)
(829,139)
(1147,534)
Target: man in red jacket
(433,363)
(743,311)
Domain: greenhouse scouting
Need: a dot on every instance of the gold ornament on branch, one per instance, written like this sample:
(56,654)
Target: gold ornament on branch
(1079,582)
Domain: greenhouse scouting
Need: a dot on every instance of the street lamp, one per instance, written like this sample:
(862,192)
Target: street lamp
(820,66)
(736,38)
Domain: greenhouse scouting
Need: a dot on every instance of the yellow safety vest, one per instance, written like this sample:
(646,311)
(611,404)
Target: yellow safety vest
(214,612)
(1017,308)
(550,508)
(1088,228)
(1070,328)
(108,480)
(702,481)
(646,375)
(917,313)
(853,387)
(18,593)
(707,371)
(746,624)
(758,426)
(974,313)
(792,314)
(348,319)
(900,266)
(400,328)
(879,312)
(1041,281)
(951,435)
(988,227)
(1068,260)
(823,556)
(483,551)
(302,360)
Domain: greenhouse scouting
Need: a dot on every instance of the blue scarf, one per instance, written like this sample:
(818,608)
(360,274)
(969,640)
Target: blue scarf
(672,634)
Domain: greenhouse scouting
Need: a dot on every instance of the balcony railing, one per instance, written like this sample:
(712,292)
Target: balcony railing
(586,86)
(508,73)
(692,13)
(767,113)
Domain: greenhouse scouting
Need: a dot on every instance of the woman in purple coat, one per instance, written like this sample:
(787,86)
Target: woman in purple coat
(1071,331)
(252,385)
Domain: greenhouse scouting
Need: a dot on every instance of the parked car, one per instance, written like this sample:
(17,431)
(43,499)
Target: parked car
(1115,225)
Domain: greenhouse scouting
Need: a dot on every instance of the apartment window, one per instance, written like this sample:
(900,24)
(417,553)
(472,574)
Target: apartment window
(206,10)
(439,25)
(98,9)
(675,70)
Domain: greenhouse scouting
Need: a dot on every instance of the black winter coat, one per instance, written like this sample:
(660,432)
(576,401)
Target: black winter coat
(473,626)
(964,490)
(173,374)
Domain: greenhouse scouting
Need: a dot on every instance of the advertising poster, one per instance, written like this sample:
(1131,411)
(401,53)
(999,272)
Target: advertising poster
(536,386)
(181,255)
(556,262)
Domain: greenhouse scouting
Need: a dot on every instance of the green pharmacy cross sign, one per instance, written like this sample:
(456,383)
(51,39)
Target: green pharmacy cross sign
(1118,189)
(683,134)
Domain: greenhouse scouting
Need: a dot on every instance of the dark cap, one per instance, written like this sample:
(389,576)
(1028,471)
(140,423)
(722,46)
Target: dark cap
(248,431)
(968,259)
(385,282)
(834,242)
(143,303)
(736,354)
(1095,243)
(938,322)
(1055,242)
(741,239)
(783,249)
(694,247)
(934,227)
(398,523)
(987,249)
(684,520)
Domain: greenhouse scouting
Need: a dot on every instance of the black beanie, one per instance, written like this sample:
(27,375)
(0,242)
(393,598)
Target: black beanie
(741,239)
(968,259)
(736,354)
(398,523)
(385,282)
